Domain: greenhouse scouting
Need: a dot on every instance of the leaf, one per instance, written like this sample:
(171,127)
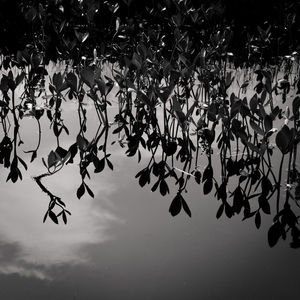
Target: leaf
(256,128)
(266,186)
(136,61)
(175,206)
(235,108)
(208,173)
(296,106)
(220,211)
(268,123)
(73,151)
(99,165)
(207,187)
(45,216)
(178,111)
(22,162)
(144,177)
(57,80)
(87,76)
(198,176)
(81,142)
(186,207)
(228,210)
(257,220)
(110,165)
(283,139)
(170,148)
(52,159)
(60,202)
(118,129)
(90,192)
(155,186)
(80,191)
(274,234)
(64,217)
(238,200)
(163,187)
(53,216)
(19,78)
(253,103)
(71,80)
(264,205)
(61,152)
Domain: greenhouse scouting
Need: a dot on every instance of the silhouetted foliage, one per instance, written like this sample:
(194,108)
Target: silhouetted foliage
(196,86)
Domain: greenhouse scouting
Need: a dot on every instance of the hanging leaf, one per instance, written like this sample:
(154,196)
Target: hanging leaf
(208,173)
(88,76)
(238,199)
(45,216)
(257,220)
(82,143)
(155,186)
(186,207)
(64,217)
(52,159)
(110,165)
(53,216)
(296,106)
(268,123)
(175,206)
(253,103)
(57,80)
(99,164)
(274,234)
(163,187)
(71,80)
(207,187)
(256,128)
(284,139)
(197,175)
(90,192)
(220,211)
(80,191)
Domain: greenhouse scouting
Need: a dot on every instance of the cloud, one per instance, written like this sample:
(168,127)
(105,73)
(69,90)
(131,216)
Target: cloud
(38,246)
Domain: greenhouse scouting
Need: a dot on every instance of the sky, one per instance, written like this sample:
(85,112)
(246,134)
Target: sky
(123,244)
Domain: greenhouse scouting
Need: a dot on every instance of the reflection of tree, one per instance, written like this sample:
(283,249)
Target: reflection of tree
(174,105)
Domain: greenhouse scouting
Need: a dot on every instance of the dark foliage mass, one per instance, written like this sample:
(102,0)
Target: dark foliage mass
(194,81)
(271,26)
